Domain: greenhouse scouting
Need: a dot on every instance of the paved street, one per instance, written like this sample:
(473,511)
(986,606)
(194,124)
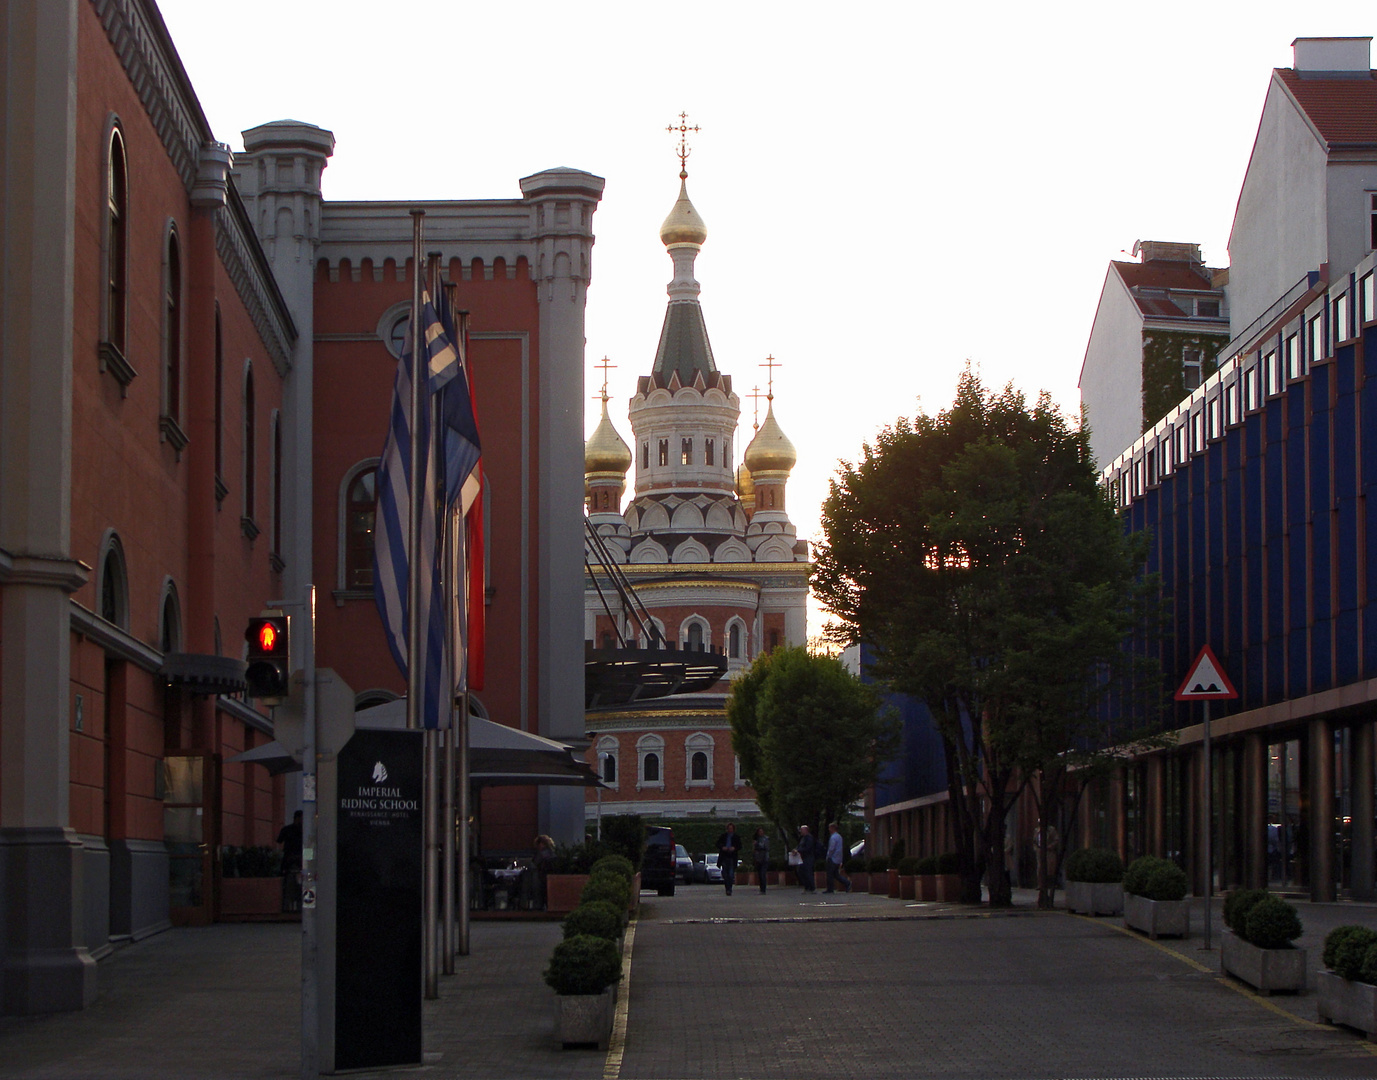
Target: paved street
(744,986)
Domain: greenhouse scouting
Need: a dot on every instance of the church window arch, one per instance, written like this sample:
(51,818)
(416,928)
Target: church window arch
(114,307)
(696,634)
(169,619)
(650,753)
(736,639)
(357,510)
(609,753)
(112,585)
(698,754)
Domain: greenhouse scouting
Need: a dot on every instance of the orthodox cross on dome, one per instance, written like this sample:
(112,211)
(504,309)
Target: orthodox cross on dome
(606,366)
(770,363)
(683,129)
(754,395)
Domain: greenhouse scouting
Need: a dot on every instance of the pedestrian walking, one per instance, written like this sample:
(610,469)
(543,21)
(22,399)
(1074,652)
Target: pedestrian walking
(836,853)
(808,857)
(761,851)
(728,851)
(290,839)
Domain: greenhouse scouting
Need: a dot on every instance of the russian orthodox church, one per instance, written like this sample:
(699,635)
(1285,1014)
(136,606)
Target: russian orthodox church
(708,550)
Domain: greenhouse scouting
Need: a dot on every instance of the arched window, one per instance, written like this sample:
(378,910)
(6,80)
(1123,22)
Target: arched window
(608,753)
(114,301)
(734,641)
(170,621)
(220,488)
(650,750)
(694,638)
(698,749)
(114,584)
(276,493)
(170,423)
(250,454)
(358,503)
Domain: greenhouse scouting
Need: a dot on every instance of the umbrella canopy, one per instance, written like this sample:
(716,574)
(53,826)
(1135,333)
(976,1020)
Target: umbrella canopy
(498,755)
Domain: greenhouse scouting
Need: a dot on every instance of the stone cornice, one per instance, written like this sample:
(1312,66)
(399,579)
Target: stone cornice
(51,570)
(114,640)
(141,41)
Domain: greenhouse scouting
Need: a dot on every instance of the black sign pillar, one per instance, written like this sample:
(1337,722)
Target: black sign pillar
(378,915)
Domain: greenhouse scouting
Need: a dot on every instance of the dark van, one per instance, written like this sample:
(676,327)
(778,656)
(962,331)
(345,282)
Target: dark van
(658,866)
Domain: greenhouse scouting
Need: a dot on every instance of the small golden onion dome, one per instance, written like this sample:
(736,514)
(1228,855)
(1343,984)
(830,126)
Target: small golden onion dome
(771,449)
(604,451)
(683,225)
(745,484)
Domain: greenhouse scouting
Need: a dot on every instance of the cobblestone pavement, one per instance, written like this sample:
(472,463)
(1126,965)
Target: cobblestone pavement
(747,986)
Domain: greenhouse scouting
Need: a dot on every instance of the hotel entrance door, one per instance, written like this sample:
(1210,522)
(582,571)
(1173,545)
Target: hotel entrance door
(189,828)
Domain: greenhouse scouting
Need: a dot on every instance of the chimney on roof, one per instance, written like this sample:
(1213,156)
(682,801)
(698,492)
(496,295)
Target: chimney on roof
(1332,57)
(1168,251)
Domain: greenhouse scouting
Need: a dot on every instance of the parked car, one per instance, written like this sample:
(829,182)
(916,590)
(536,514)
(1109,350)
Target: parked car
(658,867)
(683,865)
(709,871)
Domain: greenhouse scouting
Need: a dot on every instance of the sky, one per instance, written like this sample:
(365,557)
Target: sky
(889,194)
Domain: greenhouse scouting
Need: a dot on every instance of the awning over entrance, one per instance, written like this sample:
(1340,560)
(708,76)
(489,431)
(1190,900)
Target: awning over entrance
(498,754)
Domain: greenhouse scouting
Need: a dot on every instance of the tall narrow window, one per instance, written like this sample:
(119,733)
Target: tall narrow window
(1272,369)
(1290,351)
(707,452)
(664,451)
(114,584)
(726,453)
(221,490)
(694,639)
(1191,361)
(651,768)
(1341,332)
(1314,331)
(276,553)
(1372,219)
(250,456)
(774,640)
(116,248)
(170,628)
(360,504)
(645,455)
(734,641)
(685,451)
(1369,298)
(172,342)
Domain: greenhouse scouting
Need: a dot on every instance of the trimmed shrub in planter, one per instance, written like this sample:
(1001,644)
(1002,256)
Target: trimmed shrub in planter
(1093,881)
(618,864)
(908,868)
(1237,905)
(1154,897)
(582,969)
(1258,950)
(608,886)
(878,868)
(1347,993)
(598,919)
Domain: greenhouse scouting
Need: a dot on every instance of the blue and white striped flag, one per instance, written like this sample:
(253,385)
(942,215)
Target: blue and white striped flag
(459,428)
(390,569)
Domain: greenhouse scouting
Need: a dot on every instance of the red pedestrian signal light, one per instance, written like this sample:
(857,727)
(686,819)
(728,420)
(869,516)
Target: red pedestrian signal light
(269,669)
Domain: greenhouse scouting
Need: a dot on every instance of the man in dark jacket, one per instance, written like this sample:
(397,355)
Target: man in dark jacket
(728,851)
(808,852)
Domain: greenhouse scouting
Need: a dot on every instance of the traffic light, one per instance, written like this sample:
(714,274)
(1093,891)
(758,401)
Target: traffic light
(269,672)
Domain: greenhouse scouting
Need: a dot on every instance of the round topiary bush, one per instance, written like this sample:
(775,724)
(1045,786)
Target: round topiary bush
(1367,971)
(948,863)
(619,864)
(878,865)
(927,866)
(1345,950)
(608,886)
(1098,865)
(1272,923)
(854,866)
(908,866)
(1237,905)
(598,919)
(1166,883)
(1141,869)
(583,964)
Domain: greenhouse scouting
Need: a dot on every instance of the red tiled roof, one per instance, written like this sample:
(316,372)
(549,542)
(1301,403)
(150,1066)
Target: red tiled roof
(1344,110)
(1159,306)
(1163,275)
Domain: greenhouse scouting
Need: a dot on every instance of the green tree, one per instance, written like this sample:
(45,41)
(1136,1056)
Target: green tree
(810,736)
(976,554)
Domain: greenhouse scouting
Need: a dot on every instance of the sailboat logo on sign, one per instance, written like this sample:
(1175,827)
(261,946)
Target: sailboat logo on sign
(1207,680)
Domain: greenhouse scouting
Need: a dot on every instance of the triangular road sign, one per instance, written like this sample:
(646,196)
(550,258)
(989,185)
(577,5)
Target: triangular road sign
(1206,681)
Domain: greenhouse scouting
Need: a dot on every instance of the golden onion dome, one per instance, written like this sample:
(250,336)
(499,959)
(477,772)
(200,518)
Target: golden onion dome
(605,451)
(683,225)
(745,484)
(771,449)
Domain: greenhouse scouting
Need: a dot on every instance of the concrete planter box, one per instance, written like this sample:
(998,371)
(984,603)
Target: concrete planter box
(1266,970)
(1157,917)
(585,1019)
(240,897)
(879,883)
(893,878)
(1095,897)
(1353,1004)
(860,881)
(906,886)
(948,888)
(562,891)
(925,887)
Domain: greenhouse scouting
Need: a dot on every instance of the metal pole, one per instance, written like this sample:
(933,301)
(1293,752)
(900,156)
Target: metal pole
(310,987)
(415,686)
(447,851)
(1208,802)
(600,757)
(432,893)
(461,782)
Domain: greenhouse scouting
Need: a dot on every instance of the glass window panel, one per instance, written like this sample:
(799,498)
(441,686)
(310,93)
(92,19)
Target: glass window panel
(182,824)
(182,779)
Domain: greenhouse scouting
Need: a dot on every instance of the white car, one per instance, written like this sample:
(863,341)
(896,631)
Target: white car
(711,872)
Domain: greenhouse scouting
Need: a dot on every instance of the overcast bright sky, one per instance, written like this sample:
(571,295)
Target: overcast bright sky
(888,192)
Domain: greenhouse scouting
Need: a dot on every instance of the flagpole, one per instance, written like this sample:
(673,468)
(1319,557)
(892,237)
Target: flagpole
(415,686)
(447,795)
(461,730)
(431,938)
(1209,824)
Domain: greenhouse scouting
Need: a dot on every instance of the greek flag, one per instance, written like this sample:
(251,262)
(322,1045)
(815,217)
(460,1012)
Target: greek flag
(459,428)
(390,535)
